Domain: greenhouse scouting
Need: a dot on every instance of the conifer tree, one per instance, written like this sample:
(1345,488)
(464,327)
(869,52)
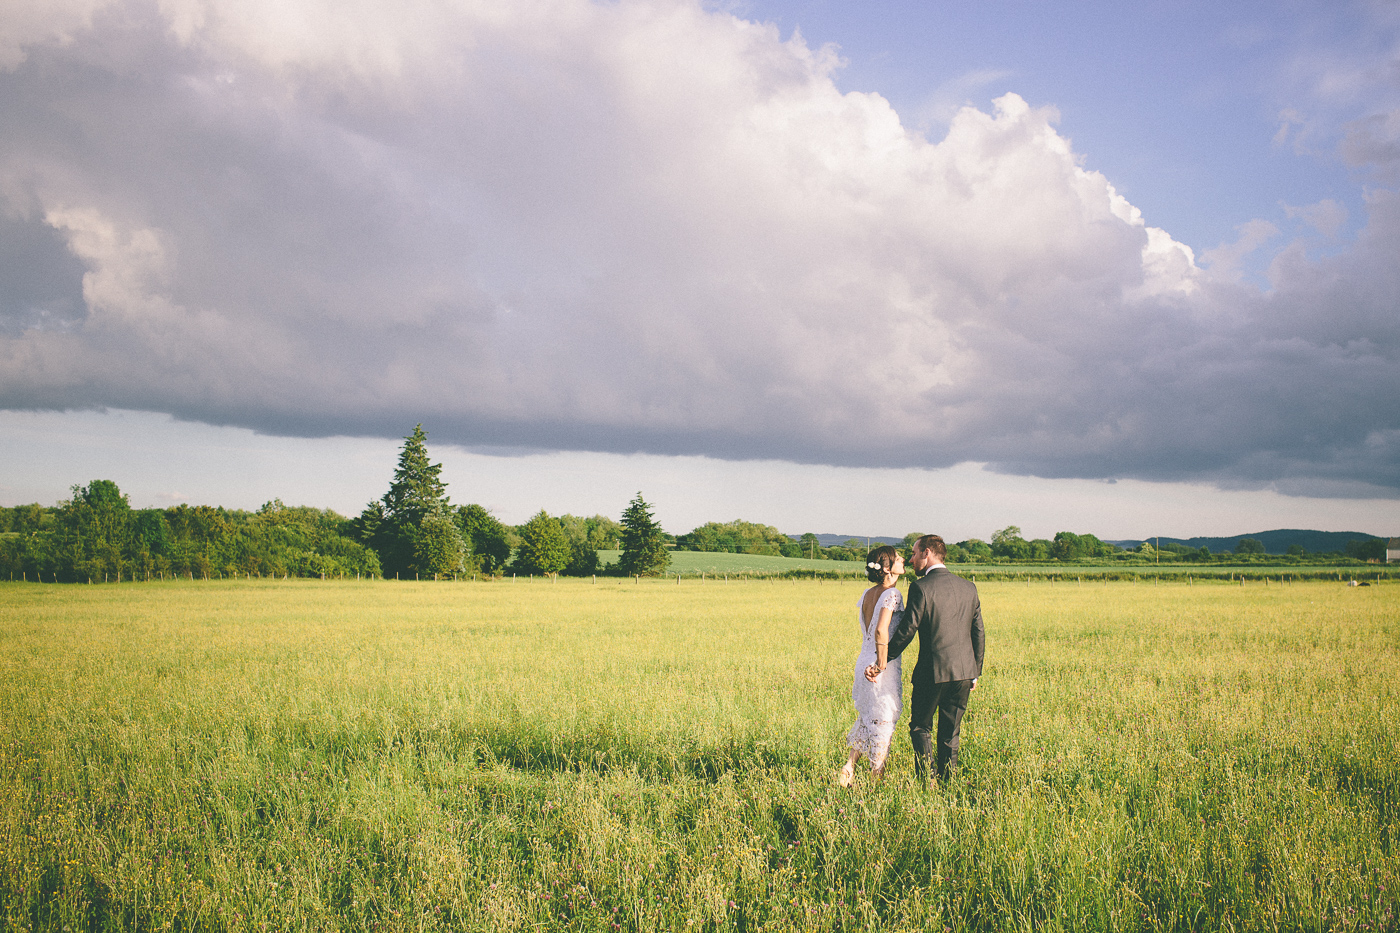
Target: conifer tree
(418,489)
(396,525)
(643,542)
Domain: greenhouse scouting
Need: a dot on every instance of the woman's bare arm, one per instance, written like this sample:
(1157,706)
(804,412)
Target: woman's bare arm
(882,637)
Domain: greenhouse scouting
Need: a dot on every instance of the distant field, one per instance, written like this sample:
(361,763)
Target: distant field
(698,562)
(622,755)
(694,563)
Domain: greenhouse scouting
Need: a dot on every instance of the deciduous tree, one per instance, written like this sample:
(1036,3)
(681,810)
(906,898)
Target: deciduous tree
(485,539)
(544,548)
(437,545)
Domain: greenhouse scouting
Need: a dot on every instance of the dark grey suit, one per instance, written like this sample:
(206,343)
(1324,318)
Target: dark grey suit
(944,609)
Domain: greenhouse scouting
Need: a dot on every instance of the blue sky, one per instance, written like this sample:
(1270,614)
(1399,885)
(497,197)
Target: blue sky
(861,268)
(1177,103)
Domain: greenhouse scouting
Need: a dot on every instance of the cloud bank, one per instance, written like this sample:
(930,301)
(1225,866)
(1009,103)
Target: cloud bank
(639,226)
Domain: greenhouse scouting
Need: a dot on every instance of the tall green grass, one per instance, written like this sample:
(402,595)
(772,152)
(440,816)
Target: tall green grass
(643,756)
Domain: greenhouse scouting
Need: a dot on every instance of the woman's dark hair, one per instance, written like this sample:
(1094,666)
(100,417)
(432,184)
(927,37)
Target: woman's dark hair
(879,561)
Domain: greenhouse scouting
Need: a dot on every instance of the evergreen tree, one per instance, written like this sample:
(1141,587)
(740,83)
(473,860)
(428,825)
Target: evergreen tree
(394,525)
(643,541)
(418,489)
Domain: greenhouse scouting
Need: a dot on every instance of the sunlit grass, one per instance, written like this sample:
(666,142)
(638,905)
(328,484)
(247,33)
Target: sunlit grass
(572,755)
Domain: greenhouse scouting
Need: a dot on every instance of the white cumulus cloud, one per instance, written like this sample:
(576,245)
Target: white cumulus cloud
(637,226)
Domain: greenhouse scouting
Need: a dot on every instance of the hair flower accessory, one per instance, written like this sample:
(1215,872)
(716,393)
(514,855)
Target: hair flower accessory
(872,565)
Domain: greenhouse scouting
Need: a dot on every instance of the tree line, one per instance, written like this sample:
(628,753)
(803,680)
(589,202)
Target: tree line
(96,535)
(414,531)
(1006,546)
(743,537)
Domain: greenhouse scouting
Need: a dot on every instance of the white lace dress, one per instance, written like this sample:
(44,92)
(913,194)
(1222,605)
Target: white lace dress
(878,705)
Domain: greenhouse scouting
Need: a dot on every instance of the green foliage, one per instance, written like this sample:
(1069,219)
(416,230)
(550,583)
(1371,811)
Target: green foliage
(393,525)
(1070,546)
(1009,544)
(94,530)
(485,539)
(1249,546)
(544,548)
(417,490)
(1374,549)
(598,532)
(97,536)
(976,550)
(1007,535)
(438,547)
(740,537)
(150,531)
(587,536)
(716,564)
(643,542)
(26,519)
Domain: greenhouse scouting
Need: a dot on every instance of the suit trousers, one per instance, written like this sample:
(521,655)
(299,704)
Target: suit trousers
(949,700)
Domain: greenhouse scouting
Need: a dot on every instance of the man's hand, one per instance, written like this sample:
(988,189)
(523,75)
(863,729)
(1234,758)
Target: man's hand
(872,672)
(974,685)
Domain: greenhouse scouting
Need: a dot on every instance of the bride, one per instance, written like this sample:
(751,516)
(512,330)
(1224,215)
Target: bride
(878,704)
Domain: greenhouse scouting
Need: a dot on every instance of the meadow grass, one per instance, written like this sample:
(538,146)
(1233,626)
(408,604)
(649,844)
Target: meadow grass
(721,563)
(567,755)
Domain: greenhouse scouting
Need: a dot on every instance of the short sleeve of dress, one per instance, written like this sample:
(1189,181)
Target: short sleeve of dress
(890,599)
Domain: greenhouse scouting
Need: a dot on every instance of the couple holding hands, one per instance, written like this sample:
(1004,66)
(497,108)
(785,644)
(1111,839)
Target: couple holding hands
(944,610)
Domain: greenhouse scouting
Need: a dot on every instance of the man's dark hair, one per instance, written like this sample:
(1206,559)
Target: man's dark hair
(933,543)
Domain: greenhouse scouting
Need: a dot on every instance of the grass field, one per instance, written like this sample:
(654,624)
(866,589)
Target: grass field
(567,755)
(719,563)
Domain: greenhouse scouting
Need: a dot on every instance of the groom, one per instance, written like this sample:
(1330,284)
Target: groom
(944,609)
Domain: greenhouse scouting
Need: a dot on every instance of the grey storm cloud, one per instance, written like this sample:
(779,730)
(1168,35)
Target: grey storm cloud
(643,226)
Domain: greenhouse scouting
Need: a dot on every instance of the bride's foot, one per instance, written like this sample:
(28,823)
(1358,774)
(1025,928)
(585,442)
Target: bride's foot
(846,776)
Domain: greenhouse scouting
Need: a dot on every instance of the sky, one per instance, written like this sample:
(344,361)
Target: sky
(1127,269)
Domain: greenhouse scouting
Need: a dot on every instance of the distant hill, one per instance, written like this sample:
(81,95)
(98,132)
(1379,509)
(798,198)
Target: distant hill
(829,540)
(1275,542)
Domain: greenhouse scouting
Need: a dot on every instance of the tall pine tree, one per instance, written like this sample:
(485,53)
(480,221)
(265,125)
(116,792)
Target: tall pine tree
(418,489)
(643,542)
(399,525)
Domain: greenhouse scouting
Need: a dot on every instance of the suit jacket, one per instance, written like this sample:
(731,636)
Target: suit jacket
(944,609)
